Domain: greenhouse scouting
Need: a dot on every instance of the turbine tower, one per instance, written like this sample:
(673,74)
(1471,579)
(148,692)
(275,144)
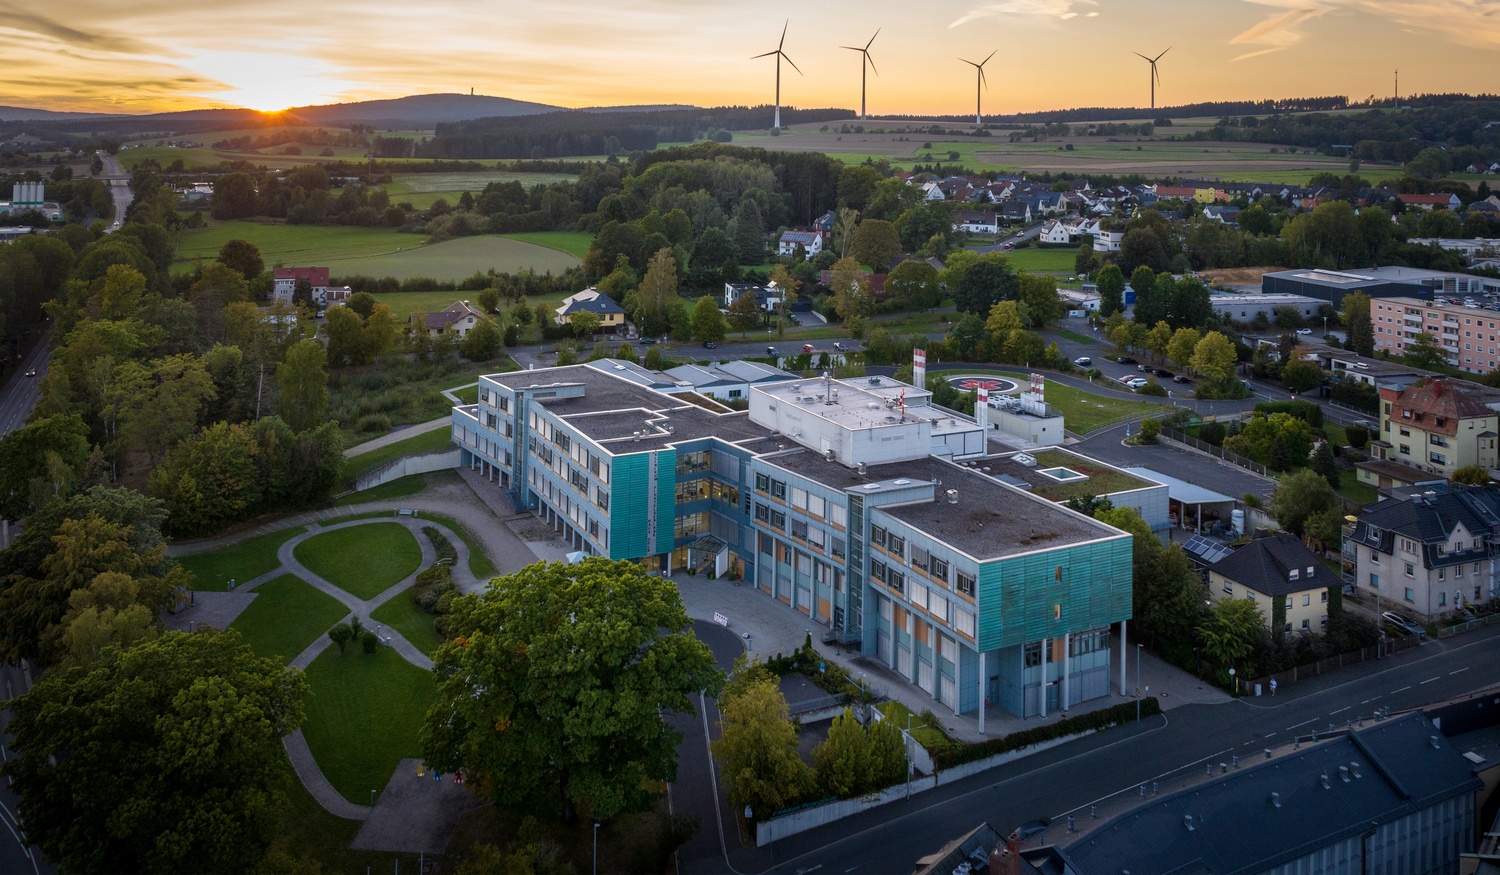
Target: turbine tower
(866,59)
(980,83)
(780,55)
(1155,76)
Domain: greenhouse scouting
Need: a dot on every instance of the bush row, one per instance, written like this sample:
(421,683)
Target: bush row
(1125,712)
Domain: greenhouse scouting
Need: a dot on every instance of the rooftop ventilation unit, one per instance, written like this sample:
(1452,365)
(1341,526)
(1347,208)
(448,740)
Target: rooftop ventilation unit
(1187,821)
(953,496)
(861,469)
(1026,459)
(1323,779)
(1344,774)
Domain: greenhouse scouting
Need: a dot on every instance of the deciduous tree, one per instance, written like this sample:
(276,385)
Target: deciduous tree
(242,256)
(1299,495)
(1214,357)
(303,381)
(708,322)
(552,691)
(757,747)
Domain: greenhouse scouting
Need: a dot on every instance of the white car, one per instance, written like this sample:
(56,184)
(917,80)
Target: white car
(1304,331)
(1136,382)
(1083,361)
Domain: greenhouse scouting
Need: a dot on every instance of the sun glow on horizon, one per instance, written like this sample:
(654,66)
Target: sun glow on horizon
(268,82)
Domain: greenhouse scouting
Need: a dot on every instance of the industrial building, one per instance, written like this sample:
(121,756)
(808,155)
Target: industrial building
(1331,286)
(846,500)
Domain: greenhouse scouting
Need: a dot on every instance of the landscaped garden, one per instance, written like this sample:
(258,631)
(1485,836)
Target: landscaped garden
(414,624)
(364,715)
(287,615)
(364,560)
(242,562)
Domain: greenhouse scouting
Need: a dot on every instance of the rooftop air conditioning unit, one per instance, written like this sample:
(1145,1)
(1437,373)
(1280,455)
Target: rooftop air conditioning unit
(1025,459)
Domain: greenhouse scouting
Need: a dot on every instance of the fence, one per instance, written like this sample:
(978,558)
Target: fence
(406,466)
(1476,623)
(1389,647)
(1192,443)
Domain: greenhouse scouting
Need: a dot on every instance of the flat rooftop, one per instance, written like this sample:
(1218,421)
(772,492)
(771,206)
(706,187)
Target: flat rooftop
(1098,477)
(856,405)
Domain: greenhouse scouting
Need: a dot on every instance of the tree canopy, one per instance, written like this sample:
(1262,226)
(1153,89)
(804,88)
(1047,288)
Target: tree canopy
(551,693)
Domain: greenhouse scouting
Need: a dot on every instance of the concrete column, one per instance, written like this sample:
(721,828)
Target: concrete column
(958,674)
(1123,661)
(1067,673)
(984,679)
(1046,654)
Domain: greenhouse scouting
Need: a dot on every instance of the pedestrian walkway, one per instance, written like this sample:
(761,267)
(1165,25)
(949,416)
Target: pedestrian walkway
(398,436)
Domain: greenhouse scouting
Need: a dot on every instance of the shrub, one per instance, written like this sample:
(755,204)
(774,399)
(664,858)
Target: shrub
(1307,411)
(369,642)
(431,585)
(1212,433)
(440,544)
(1092,721)
(1152,388)
(1358,436)
(1149,430)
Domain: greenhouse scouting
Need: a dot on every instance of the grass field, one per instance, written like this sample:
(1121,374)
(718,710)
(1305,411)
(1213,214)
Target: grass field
(363,716)
(403,304)
(426,442)
(286,616)
(414,624)
(1084,411)
(453,259)
(400,488)
(244,561)
(291,244)
(364,561)
(1043,260)
(575,243)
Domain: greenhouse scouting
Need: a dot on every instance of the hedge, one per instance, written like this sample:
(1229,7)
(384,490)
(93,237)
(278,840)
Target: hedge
(1092,721)
(1307,411)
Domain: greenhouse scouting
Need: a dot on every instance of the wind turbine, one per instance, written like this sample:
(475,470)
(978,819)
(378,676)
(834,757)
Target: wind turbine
(979,83)
(780,55)
(865,59)
(1155,76)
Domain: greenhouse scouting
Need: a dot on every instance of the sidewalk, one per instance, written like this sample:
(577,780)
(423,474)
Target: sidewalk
(397,436)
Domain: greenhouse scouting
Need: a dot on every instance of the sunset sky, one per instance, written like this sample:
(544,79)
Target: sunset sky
(150,55)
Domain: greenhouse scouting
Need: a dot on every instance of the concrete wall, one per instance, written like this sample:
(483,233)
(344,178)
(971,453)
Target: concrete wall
(408,465)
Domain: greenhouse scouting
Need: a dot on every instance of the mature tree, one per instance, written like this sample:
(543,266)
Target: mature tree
(303,381)
(1232,632)
(1299,495)
(120,292)
(1301,375)
(345,332)
(1214,357)
(1004,317)
(178,742)
(483,341)
(744,313)
(209,480)
(749,231)
(1145,247)
(242,256)
(234,196)
(30,457)
(1189,305)
(875,244)
(584,323)
(1425,351)
(1472,475)
(166,402)
(653,359)
(1259,436)
(1038,293)
(789,285)
(845,224)
(1354,310)
(1182,345)
(362,303)
(1111,283)
(708,322)
(1323,462)
(913,285)
(1159,339)
(980,284)
(851,290)
(757,747)
(552,691)
(857,759)
(658,289)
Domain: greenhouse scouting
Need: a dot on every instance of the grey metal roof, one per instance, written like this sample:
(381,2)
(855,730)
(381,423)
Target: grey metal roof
(1238,828)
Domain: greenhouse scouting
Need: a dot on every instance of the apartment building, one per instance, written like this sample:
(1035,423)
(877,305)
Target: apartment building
(1429,551)
(1436,427)
(839,498)
(1469,335)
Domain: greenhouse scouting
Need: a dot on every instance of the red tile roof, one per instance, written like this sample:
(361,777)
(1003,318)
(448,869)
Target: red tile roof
(315,276)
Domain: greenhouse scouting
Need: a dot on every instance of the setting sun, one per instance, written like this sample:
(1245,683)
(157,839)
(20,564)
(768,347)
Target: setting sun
(267,82)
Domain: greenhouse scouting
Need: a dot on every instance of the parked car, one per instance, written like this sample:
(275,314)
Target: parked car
(838,347)
(807,347)
(1125,360)
(646,341)
(1137,382)
(1403,624)
(708,344)
(1145,369)
(1181,379)
(1304,331)
(1083,361)
(771,350)
(1163,373)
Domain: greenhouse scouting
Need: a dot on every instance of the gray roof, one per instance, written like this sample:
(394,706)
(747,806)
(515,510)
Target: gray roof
(1266,565)
(585,302)
(1431,515)
(1238,829)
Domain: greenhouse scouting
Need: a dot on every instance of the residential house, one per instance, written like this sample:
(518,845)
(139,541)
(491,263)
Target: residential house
(810,241)
(284,282)
(1016,211)
(976,222)
(1224,215)
(1175,192)
(591,300)
(823,225)
(1054,231)
(876,281)
(1436,427)
(457,318)
(1426,202)
(856,521)
(1428,551)
(767,297)
(1108,240)
(1285,580)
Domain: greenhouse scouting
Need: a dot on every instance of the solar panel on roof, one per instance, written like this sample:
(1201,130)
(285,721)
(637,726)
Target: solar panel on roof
(1208,550)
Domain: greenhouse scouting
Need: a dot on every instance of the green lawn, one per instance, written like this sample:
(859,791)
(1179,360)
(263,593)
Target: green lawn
(479,562)
(244,561)
(286,616)
(403,185)
(426,442)
(291,244)
(403,304)
(1043,260)
(399,488)
(1357,492)
(414,624)
(452,259)
(363,716)
(1102,480)
(467,394)
(575,243)
(1084,411)
(932,739)
(363,560)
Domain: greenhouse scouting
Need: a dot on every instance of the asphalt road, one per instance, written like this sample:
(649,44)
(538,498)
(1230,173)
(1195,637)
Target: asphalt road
(1068,779)
(19,396)
(119,188)
(15,856)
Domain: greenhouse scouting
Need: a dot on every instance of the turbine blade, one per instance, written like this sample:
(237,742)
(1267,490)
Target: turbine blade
(789,61)
(783,34)
(872,63)
(766,55)
(985,82)
(872,39)
(969,62)
(1156,74)
(987,58)
(1143,57)
(1164,51)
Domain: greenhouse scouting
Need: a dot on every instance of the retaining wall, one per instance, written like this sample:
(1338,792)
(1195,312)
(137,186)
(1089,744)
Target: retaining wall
(407,466)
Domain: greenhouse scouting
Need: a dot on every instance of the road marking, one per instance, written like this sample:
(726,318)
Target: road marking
(1403,689)
(1429,680)
(1368,701)
(1345,708)
(1303,723)
(850,869)
(1456,671)
(1268,735)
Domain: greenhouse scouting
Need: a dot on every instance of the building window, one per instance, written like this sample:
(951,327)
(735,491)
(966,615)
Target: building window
(896,581)
(838,548)
(1410,596)
(965,584)
(1287,603)
(778,520)
(1228,587)
(963,621)
(1306,599)
(762,512)
(1374,581)
(938,569)
(895,545)
(877,570)
(1442,597)
(1410,572)
(762,483)
(877,536)
(799,530)
(918,558)
(1306,624)
(1325,597)
(918,597)
(1034,654)
(778,490)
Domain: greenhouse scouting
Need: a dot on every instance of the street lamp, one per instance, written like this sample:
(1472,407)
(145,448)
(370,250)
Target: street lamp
(1138,683)
(596,847)
(1236,682)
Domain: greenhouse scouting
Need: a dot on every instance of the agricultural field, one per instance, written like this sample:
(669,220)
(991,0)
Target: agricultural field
(377,252)
(421,189)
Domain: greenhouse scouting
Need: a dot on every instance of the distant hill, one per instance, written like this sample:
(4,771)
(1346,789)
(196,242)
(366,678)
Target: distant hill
(419,110)
(26,113)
